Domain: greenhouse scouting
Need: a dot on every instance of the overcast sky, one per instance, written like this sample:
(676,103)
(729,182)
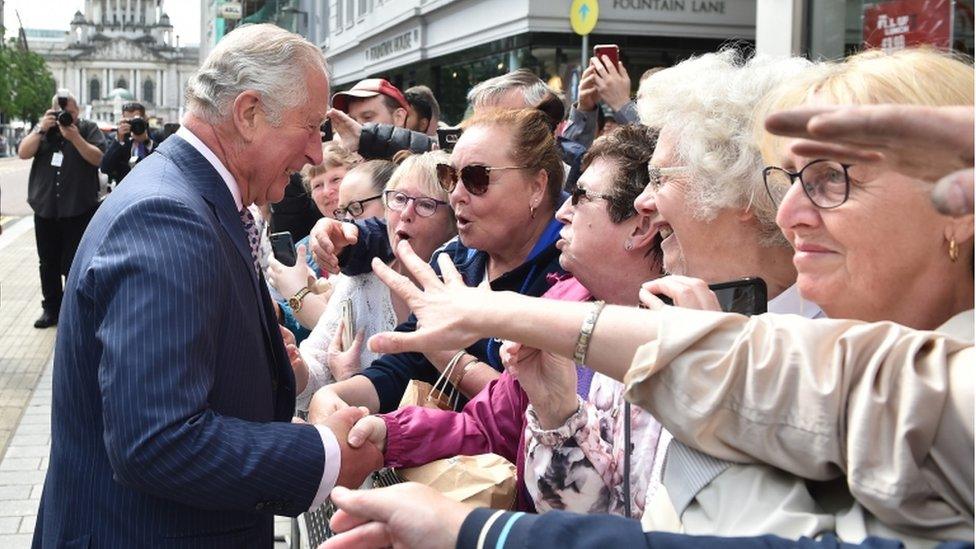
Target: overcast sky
(57,14)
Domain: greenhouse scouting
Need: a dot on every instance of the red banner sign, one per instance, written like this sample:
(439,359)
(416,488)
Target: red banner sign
(897,24)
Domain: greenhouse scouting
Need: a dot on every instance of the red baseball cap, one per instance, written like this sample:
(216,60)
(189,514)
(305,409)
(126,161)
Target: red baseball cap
(371,87)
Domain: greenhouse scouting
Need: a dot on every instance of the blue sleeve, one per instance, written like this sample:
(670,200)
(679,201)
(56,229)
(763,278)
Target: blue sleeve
(373,242)
(160,358)
(562,530)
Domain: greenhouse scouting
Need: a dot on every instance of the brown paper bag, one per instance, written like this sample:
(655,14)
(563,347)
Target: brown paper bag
(486,480)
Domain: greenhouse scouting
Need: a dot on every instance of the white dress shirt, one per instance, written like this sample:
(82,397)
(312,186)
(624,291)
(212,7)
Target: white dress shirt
(333,456)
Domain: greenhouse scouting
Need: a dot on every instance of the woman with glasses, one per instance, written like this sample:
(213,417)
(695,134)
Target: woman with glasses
(610,250)
(505,179)
(873,414)
(416,209)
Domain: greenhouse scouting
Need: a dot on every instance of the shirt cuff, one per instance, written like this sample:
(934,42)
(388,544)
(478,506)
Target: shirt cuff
(627,114)
(493,529)
(556,437)
(330,471)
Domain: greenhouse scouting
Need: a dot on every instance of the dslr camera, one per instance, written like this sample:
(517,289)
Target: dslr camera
(137,126)
(64,118)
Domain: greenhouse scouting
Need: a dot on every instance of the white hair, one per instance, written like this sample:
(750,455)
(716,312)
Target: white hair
(63,92)
(487,93)
(263,58)
(707,104)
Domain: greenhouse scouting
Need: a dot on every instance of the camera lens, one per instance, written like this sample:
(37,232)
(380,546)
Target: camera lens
(138,126)
(65,118)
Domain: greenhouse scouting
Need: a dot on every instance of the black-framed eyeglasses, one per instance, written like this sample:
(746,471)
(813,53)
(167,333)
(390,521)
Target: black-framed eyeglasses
(425,206)
(475,177)
(354,208)
(825,182)
(580,192)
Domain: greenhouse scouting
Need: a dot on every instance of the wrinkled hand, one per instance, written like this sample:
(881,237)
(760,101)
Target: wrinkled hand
(347,129)
(684,291)
(289,280)
(928,143)
(324,404)
(370,429)
(357,463)
(328,238)
(295,358)
(549,381)
(405,516)
(345,364)
(448,313)
(612,82)
(588,94)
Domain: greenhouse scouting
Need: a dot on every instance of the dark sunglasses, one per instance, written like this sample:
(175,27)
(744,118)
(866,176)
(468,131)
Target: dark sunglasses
(579,192)
(474,177)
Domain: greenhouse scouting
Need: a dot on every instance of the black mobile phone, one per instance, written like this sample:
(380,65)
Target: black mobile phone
(447,137)
(326,129)
(283,248)
(746,296)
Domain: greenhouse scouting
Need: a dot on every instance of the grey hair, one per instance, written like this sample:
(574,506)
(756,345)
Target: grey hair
(487,93)
(707,104)
(263,58)
(63,92)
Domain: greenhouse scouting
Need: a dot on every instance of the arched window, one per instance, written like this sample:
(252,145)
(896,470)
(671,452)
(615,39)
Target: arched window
(121,83)
(94,90)
(148,90)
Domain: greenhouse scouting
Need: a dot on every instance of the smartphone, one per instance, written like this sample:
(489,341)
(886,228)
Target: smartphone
(610,50)
(348,325)
(326,130)
(746,296)
(283,248)
(447,137)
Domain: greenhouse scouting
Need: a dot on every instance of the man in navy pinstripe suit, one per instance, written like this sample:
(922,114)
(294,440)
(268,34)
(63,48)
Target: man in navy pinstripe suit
(173,393)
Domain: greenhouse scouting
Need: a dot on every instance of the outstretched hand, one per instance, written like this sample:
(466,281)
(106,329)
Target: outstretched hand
(404,516)
(450,315)
(356,463)
(928,143)
(548,379)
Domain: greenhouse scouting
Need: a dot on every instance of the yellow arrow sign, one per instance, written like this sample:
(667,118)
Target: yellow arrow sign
(583,15)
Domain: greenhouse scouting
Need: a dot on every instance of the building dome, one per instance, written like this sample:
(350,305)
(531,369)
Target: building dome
(119,93)
(79,19)
(164,21)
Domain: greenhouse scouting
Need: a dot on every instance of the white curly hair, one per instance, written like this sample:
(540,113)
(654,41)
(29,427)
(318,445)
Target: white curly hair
(707,104)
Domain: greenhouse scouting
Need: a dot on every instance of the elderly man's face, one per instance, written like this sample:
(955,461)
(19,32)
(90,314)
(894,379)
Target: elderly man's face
(276,152)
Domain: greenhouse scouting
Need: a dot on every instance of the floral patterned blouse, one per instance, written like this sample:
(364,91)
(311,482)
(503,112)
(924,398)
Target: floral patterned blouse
(579,466)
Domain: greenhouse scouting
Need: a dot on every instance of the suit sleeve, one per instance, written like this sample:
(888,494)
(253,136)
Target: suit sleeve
(159,362)
(562,530)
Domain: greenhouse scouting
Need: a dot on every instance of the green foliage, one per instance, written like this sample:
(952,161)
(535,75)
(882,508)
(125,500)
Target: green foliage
(26,84)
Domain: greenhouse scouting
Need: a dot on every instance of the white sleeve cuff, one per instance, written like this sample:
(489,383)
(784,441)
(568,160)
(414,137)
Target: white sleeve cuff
(333,463)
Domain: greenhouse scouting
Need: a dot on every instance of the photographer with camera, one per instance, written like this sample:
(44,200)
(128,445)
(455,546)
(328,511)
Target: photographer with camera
(62,191)
(134,141)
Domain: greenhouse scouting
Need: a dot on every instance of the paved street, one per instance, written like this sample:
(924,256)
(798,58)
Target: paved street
(13,187)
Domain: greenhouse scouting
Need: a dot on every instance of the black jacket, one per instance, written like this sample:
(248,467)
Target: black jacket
(115,161)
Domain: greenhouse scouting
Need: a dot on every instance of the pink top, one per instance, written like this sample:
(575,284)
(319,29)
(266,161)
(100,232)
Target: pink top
(493,421)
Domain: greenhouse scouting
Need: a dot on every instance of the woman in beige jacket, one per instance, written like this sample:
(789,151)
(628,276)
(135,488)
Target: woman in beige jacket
(881,406)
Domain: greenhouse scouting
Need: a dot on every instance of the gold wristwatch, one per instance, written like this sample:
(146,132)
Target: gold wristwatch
(295,301)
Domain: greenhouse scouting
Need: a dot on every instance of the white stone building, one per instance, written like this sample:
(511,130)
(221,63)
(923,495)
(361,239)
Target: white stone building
(120,45)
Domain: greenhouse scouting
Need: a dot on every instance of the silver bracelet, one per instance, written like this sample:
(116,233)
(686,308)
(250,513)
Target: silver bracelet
(586,332)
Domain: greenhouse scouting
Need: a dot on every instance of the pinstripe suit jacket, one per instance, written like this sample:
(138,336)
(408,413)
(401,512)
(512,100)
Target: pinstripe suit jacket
(172,389)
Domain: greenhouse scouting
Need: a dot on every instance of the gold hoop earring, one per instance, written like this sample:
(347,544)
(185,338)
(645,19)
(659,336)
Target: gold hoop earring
(628,245)
(953,250)
(532,211)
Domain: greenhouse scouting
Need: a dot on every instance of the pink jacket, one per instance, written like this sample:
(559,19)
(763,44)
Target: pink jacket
(493,421)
